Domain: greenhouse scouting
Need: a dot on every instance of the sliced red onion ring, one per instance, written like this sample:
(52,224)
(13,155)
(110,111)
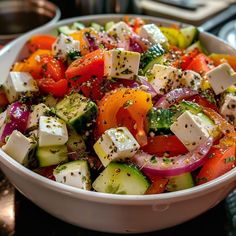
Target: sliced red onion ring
(172,166)
(17,115)
(148,87)
(174,96)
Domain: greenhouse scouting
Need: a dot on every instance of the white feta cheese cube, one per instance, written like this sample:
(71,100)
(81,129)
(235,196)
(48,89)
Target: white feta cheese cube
(153,34)
(75,173)
(165,78)
(19,147)
(121,64)
(64,45)
(116,144)
(120,31)
(228,109)
(191,79)
(38,111)
(52,131)
(19,83)
(192,129)
(221,78)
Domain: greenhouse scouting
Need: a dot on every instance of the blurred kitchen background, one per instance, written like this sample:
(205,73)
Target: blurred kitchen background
(18,216)
(216,16)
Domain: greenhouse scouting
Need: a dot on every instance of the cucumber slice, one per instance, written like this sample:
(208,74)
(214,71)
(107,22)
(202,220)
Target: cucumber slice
(75,173)
(77,111)
(96,26)
(65,30)
(190,33)
(51,155)
(77,26)
(108,25)
(198,45)
(119,178)
(191,106)
(75,142)
(180,182)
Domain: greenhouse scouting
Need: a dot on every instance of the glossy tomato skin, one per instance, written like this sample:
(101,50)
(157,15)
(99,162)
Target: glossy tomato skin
(40,42)
(52,68)
(158,185)
(164,144)
(187,59)
(56,88)
(200,64)
(220,160)
(83,69)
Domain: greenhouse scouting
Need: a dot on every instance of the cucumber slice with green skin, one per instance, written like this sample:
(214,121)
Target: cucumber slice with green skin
(180,182)
(108,25)
(75,142)
(75,173)
(51,155)
(190,33)
(65,30)
(191,106)
(119,178)
(77,111)
(197,45)
(159,120)
(152,56)
(96,26)
(77,26)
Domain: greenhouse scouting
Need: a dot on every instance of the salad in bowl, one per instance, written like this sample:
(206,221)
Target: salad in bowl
(127,107)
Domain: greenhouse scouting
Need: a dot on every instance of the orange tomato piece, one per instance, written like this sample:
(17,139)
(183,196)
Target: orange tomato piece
(221,58)
(137,102)
(41,42)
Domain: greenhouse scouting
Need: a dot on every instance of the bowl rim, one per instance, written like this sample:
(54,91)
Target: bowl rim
(105,197)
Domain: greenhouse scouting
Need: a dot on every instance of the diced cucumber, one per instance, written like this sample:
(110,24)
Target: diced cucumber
(180,182)
(77,26)
(75,173)
(77,111)
(191,106)
(108,25)
(152,56)
(51,155)
(198,45)
(65,30)
(159,120)
(75,142)
(190,33)
(96,26)
(120,178)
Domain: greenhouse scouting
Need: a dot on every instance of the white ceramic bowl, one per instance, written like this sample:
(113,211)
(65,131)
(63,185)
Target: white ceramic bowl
(106,212)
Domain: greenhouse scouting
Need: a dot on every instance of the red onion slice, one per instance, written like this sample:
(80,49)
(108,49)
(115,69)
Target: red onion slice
(148,87)
(172,166)
(17,115)
(174,96)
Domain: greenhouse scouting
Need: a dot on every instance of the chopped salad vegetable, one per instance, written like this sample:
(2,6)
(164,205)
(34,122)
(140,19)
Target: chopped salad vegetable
(121,108)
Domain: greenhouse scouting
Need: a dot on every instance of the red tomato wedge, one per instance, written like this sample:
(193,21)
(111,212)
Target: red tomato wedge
(41,42)
(161,144)
(200,64)
(52,68)
(56,88)
(187,59)
(89,66)
(220,160)
(158,185)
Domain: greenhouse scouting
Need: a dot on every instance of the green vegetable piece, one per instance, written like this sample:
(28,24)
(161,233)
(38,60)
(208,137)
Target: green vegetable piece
(180,182)
(160,120)
(119,178)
